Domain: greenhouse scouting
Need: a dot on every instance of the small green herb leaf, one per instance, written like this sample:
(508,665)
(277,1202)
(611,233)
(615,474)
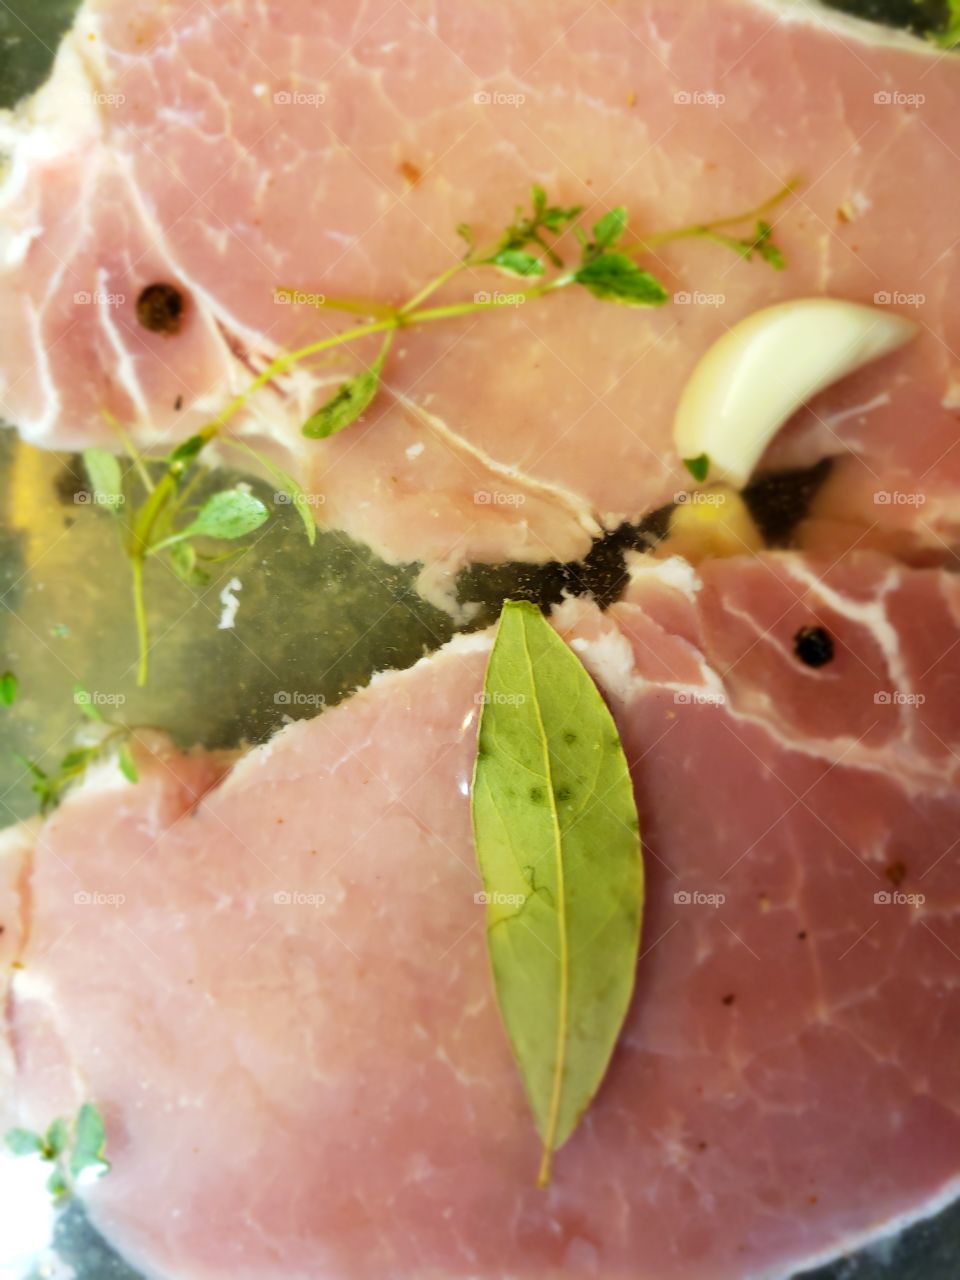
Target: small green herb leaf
(231,513)
(23,1143)
(126,762)
(557,840)
(86,703)
(555,218)
(351,399)
(287,485)
(517,263)
(183,558)
(465,232)
(698,467)
(188,449)
(56,1138)
(609,230)
(616,278)
(57,1185)
(89,1140)
(9,685)
(106,479)
(766,248)
(528,229)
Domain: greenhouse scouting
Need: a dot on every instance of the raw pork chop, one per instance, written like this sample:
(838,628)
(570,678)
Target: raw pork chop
(280,996)
(232,149)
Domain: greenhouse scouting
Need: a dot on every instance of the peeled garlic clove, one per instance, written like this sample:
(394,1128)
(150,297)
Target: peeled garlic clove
(763,369)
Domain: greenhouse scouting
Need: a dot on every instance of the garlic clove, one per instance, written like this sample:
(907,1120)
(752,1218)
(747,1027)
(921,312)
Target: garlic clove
(762,370)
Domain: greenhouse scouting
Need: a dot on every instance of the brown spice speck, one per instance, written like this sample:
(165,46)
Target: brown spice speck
(161,307)
(896,873)
(410,172)
(728,1000)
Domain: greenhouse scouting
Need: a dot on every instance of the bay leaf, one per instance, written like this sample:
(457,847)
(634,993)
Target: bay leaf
(557,839)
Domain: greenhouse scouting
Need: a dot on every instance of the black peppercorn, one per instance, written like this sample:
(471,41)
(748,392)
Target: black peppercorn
(813,646)
(160,308)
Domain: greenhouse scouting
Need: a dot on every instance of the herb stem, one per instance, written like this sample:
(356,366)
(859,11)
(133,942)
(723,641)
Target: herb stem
(140,612)
(129,449)
(355,306)
(436,283)
(284,362)
(652,240)
(429,314)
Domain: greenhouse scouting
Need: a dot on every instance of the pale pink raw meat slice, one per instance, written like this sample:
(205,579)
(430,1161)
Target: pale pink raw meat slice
(335,148)
(288,1019)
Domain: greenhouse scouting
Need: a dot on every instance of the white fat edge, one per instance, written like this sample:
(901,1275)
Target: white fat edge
(674,572)
(29,1216)
(610,659)
(805,13)
(462,645)
(60,120)
(18,840)
(610,656)
(879,1235)
(437,585)
(104,777)
(37,428)
(30,985)
(230,603)
(125,366)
